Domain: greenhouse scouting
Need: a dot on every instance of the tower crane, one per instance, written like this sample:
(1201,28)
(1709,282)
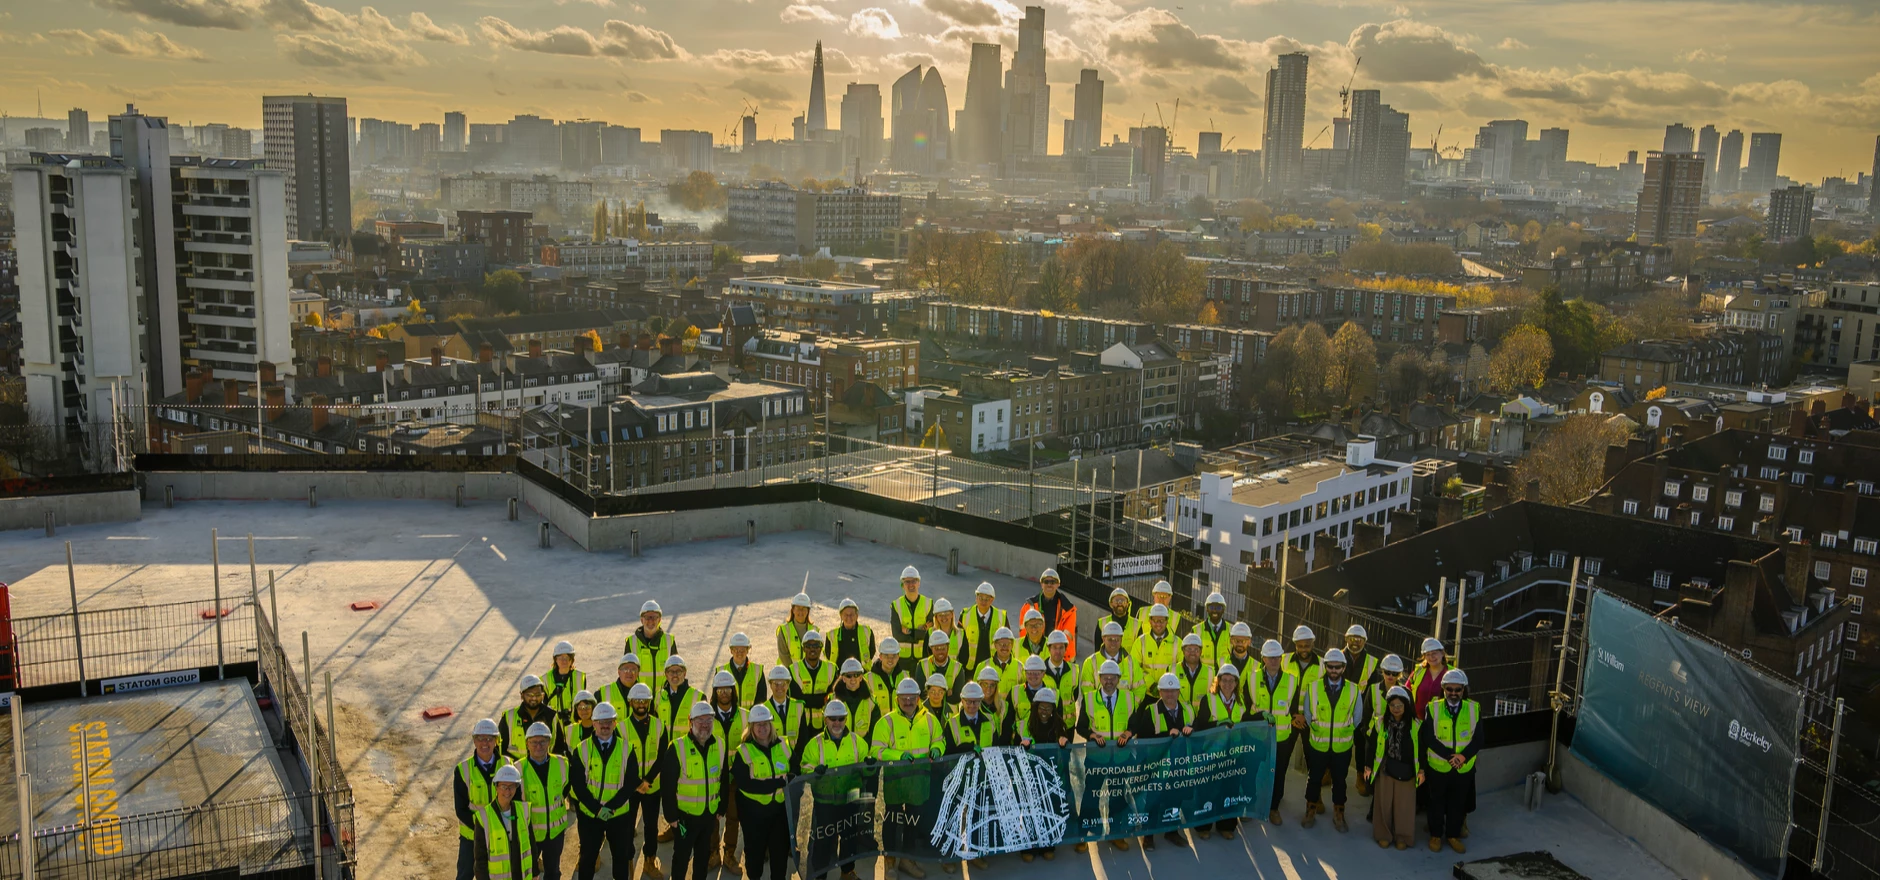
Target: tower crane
(1344,94)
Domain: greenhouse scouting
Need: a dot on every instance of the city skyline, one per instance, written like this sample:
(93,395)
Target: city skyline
(1604,70)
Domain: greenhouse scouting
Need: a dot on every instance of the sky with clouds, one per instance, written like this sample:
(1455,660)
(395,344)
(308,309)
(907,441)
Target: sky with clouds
(1615,72)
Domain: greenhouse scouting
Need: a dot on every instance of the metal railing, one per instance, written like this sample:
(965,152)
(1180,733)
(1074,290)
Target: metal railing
(249,836)
(113,642)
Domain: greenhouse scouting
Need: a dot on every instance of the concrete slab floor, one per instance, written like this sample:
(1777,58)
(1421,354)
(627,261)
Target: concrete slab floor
(469,604)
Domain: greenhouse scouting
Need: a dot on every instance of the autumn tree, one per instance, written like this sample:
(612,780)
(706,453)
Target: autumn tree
(1209,315)
(1168,286)
(1351,368)
(1410,374)
(1570,459)
(504,291)
(1521,359)
(699,191)
(1054,290)
(600,220)
(1313,354)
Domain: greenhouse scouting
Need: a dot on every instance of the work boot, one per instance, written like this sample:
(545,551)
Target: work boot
(1311,817)
(731,856)
(649,869)
(949,867)
(1273,817)
(1051,854)
(1204,833)
(1148,844)
(979,862)
(1364,788)
(1228,833)
(1456,844)
(1025,857)
(1121,843)
(848,873)
(1338,818)
(1080,847)
(911,868)
(1436,844)
(1175,837)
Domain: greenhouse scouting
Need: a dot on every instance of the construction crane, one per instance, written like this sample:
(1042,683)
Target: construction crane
(1344,94)
(1315,138)
(1433,149)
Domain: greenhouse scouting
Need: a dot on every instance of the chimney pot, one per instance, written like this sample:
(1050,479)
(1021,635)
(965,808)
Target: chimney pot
(437,356)
(193,386)
(535,348)
(277,402)
(318,403)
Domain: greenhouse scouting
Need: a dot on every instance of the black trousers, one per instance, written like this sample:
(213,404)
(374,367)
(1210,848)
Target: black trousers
(643,809)
(466,859)
(1282,765)
(618,835)
(550,851)
(692,843)
(1317,764)
(1449,801)
(837,849)
(766,839)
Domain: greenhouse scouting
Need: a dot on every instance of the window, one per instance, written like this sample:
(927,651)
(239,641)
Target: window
(1207,520)
(1852,633)
(1857,577)
(1793,533)
(1766,503)
(1700,493)
(1805,456)
(1557,559)
(1631,507)
(1822,570)
(1778,453)
(1590,566)
(1798,478)
(1661,580)
(1733,498)
(1866,545)
(1859,603)
(1827,539)
(1661,512)
(1697,517)
(1770,472)
(1671,488)
(1726,523)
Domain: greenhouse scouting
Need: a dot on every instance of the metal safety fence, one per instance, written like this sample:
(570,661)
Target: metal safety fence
(105,643)
(246,837)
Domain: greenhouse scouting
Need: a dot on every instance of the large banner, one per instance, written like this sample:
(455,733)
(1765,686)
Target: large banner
(1691,730)
(1006,800)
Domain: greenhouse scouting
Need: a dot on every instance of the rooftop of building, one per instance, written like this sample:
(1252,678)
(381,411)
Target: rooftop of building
(1290,483)
(809,283)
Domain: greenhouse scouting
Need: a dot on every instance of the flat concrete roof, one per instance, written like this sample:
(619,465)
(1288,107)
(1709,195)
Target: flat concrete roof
(469,603)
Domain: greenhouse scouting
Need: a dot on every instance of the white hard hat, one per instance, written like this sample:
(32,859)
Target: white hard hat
(1272,648)
(847,603)
(530,681)
(760,713)
(1241,629)
(508,773)
(1191,640)
(650,606)
(1335,656)
(639,691)
(972,691)
(985,589)
(835,709)
(1112,628)
(987,673)
(564,647)
(907,688)
(812,636)
(1032,614)
(1431,644)
(700,709)
(606,712)
(910,572)
(1109,667)
(1057,637)
(485,727)
(740,640)
(1163,587)
(1034,663)
(938,638)
(942,606)
(675,660)
(1118,591)
(724,680)
(1215,598)
(538,729)
(628,658)
(1397,691)
(1456,676)
(1003,633)
(1357,631)
(1045,695)
(800,600)
(851,666)
(1391,663)
(1158,611)
(1228,669)
(1169,682)
(778,673)
(584,697)
(936,680)
(1303,633)
(889,645)
(1049,574)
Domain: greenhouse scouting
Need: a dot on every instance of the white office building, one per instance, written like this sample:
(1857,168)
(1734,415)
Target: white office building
(234,286)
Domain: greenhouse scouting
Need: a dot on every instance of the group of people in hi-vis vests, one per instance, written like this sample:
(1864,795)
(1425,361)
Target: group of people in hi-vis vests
(691,764)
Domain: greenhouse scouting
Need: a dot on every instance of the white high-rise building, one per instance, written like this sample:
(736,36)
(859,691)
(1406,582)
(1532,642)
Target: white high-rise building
(233,232)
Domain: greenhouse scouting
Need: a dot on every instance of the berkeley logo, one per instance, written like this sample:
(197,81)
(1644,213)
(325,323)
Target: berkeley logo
(1743,735)
(1172,814)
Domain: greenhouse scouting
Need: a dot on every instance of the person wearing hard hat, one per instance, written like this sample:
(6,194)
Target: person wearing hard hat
(1450,743)
(1242,654)
(991,694)
(1303,662)
(1155,648)
(1031,636)
(746,676)
(1362,664)
(935,696)
(978,626)
(562,682)
(1018,698)
(852,639)
(1059,612)
(1223,707)
(944,620)
(1163,595)
(1389,675)
(760,774)
(812,677)
(728,727)
(643,731)
(1426,681)
(582,726)
(1165,716)
(1334,713)
(695,763)
(1119,615)
(533,708)
(504,845)
(601,778)
(837,796)
(1215,631)
(1395,770)
(884,673)
(1273,694)
(790,633)
(854,689)
(1110,650)
(1197,678)
(910,615)
(1061,675)
(1104,716)
(940,661)
(970,729)
(790,715)
(1043,726)
(674,698)
(1004,662)
(472,786)
(650,643)
(908,733)
(626,675)
(545,787)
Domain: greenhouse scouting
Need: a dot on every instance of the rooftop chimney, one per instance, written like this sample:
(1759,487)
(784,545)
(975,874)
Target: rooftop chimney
(277,402)
(535,348)
(231,393)
(318,403)
(267,372)
(437,356)
(323,367)
(583,344)
(485,353)
(385,361)
(192,386)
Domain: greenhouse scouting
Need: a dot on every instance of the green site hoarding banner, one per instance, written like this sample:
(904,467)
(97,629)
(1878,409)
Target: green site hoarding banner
(1007,799)
(1691,730)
